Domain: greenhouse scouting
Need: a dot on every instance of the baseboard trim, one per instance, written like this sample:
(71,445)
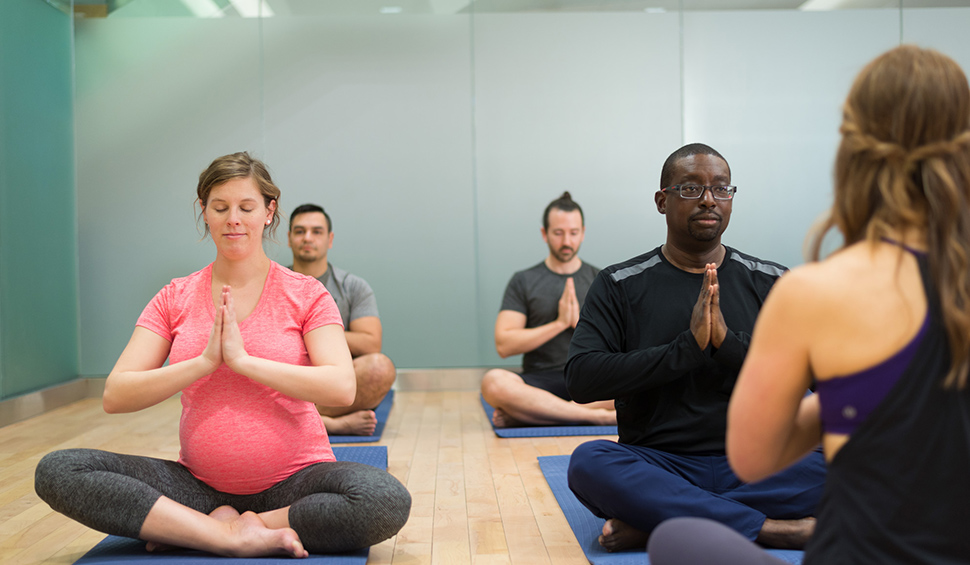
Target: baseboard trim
(439,379)
(19,408)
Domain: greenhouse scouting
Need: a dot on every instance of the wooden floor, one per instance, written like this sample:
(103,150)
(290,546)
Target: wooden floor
(477,499)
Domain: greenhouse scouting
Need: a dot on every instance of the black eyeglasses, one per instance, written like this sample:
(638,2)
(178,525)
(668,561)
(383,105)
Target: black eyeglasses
(695,191)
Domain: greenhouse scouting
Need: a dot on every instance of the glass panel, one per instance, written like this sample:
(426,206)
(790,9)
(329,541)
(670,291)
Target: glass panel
(371,118)
(943,29)
(157,99)
(774,113)
(577,102)
(436,131)
(38,220)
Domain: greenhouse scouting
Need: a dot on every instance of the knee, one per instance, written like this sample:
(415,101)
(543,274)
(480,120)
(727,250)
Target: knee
(375,371)
(690,540)
(391,506)
(586,463)
(375,507)
(53,472)
(494,386)
(44,475)
(666,541)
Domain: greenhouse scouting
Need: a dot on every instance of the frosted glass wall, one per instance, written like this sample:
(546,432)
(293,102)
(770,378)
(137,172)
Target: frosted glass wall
(435,141)
(38,227)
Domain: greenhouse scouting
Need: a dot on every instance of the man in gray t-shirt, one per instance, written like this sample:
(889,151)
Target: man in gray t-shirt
(539,312)
(310,237)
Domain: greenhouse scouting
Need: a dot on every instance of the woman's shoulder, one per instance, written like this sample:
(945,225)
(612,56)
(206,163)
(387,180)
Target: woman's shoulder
(190,282)
(812,286)
(297,286)
(826,287)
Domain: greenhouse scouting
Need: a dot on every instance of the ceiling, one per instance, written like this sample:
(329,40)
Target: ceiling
(255,8)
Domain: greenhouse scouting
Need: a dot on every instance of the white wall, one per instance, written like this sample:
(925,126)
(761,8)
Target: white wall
(435,142)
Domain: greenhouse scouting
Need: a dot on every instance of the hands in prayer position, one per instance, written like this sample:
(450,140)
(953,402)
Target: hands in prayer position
(706,322)
(225,341)
(569,305)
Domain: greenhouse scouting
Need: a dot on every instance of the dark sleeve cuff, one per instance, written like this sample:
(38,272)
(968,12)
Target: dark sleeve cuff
(732,351)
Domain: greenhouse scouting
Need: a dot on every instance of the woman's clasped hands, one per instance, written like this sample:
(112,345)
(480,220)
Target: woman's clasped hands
(225,343)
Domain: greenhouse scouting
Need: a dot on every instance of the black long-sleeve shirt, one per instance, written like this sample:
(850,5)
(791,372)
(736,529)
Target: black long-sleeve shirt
(633,344)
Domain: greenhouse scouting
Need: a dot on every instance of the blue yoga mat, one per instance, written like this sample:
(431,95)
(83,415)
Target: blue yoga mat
(115,549)
(547,431)
(382,411)
(588,527)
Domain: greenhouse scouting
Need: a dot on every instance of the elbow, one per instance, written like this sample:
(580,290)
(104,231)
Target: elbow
(747,464)
(110,401)
(579,396)
(574,384)
(109,406)
(503,347)
(746,471)
(346,394)
(344,399)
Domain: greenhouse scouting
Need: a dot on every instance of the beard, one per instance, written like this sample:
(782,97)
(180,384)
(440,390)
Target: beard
(564,254)
(705,234)
(308,255)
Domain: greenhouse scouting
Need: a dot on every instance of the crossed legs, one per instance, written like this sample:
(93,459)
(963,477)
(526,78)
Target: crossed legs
(375,376)
(324,508)
(636,488)
(519,403)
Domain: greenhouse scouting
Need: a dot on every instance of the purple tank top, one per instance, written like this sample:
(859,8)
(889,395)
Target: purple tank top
(846,402)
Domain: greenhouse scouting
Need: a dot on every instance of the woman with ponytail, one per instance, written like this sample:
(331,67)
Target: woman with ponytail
(882,328)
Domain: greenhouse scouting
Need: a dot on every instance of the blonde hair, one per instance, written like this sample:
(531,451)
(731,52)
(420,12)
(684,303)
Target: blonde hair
(236,166)
(904,162)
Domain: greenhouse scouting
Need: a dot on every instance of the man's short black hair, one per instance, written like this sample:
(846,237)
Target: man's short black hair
(564,203)
(308,208)
(689,150)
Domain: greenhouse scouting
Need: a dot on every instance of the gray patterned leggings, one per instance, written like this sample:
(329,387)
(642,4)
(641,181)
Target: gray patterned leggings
(700,541)
(334,507)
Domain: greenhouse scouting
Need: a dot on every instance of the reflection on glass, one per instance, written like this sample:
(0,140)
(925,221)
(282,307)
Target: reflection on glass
(191,8)
(269,8)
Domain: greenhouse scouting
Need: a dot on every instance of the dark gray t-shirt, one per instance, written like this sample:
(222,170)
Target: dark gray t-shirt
(535,292)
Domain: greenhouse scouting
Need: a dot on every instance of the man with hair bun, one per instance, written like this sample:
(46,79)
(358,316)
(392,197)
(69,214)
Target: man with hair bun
(539,312)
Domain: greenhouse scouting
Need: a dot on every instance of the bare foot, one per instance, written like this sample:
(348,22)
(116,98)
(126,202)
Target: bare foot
(224,514)
(359,423)
(618,535)
(249,537)
(501,419)
(786,534)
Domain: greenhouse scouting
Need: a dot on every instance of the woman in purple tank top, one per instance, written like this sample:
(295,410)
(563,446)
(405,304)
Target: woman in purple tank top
(882,326)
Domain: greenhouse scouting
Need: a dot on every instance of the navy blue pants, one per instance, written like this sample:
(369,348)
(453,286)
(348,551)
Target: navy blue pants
(643,487)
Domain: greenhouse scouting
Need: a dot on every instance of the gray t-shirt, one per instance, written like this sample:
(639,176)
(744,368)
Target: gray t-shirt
(535,292)
(353,295)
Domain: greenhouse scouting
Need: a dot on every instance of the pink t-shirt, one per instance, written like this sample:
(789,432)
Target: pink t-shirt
(237,435)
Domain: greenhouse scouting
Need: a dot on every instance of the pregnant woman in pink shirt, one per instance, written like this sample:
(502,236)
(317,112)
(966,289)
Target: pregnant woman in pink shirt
(252,346)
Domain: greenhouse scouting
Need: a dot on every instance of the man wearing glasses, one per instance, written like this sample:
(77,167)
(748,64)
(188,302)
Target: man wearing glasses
(665,334)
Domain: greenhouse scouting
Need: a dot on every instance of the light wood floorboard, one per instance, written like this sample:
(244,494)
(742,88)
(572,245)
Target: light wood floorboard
(477,499)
